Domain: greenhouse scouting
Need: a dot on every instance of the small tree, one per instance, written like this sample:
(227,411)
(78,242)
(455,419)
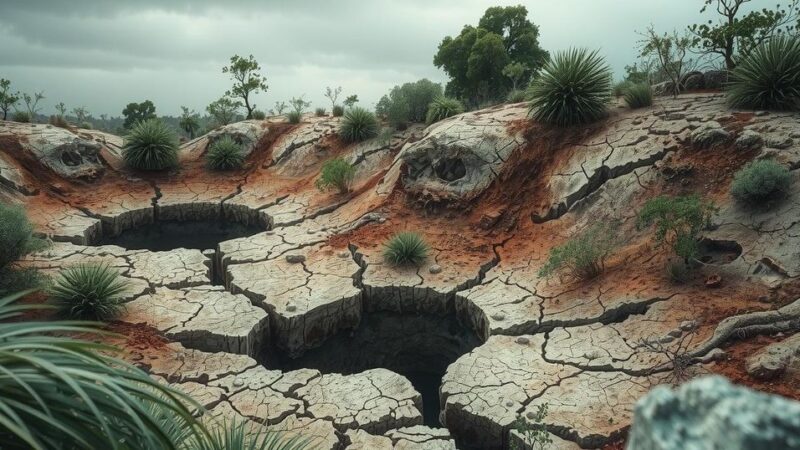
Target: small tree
(246,80)
(280,107)
(189,121)
(299,104)
(515,72)
(32,104)
(333,95)
(669,51)
(61,108)
(7,99)
(736,34)
(350,101)
(138,112)
(81,113)
(678,221)
(224,110)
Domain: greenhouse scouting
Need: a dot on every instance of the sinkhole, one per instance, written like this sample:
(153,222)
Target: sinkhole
(166,235)
(418,347)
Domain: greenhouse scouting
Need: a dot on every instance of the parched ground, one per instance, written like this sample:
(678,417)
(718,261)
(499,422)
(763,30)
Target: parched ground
(492,193)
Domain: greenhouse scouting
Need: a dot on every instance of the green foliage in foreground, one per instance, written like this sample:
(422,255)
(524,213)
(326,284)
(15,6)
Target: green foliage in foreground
(638,95)
(336,173)
(678,222)
(22,117)
(405,249)
(760,181)
(443,107)
(88,292)
(583,256)
(574,88)
(151,145)
(769,77)
(240,436)
(358,125)
(225,154)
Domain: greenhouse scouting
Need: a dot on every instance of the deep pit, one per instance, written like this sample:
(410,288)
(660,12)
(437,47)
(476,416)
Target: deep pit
(162,236)
(419,347)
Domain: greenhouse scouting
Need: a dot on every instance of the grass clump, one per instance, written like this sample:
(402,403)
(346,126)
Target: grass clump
(638,95)
(21,116)
(769,77)
(16,241)
(443,107)
(225,154)
(58,121)
(336,173)
(574,88)
(151,145)
(294,116)
(621,88)
(337,111)
(760,181)
(320,112)
(358,125)
(239,436)
(88,292)
(405,249)
(516,96)
(582,257)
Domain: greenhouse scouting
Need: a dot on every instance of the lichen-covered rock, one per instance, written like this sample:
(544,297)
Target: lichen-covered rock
(749,140)
(710,134)
(774,359)
(710,413)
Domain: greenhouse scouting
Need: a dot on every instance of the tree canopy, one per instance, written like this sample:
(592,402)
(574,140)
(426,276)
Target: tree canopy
(247,80)
(136,112)
(475,59)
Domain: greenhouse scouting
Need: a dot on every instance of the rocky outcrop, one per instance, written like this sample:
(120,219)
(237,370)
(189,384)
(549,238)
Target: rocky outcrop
(712,413)
(246,133)
(773,360)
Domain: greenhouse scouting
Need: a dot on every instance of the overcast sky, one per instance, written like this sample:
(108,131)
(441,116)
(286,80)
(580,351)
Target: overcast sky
(105,53)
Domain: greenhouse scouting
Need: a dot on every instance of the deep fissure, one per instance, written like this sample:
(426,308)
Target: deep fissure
(164,235)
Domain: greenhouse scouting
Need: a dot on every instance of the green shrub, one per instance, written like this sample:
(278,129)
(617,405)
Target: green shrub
(16,235)
(574,88)
(678,221)
(621,88)
(405,249)
(443,107)
(294,116)
(320,112)
(639,95)
(240,436)
(336,173)
(760,181)
(408,103)
(225,154)
(516,96)
(22,117)
(532,430)
(58,121)
(583,256)
(86,125)
(88,291)
(337,111)
(150,145)
(59,391)
(358,125)
(258,115)
(769,77)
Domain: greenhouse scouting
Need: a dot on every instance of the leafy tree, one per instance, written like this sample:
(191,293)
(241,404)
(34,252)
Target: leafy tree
(639,73)
(299,104)
(669,51)
(32,103)
(247,80)
(408,103)
(7,99)
(736,33)
(515,72)
(224,110)
(474,60)
(351,100)
(138,112)
(332,95)
(189,121)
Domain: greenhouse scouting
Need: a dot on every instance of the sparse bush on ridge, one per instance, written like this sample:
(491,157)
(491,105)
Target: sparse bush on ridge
(225,154)
(336,173)
(442,108)
(337,111)
(58,120)
(320,112)
(294,116)
(408,103)
(638,95)
(583,256)
(405,249)
(259,115)
(760,181)
(769,77)
(574,88)
(88,292)
(358,125)
(150,145)
(21,117)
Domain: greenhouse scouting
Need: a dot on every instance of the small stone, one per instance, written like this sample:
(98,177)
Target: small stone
(688,325)
(344,255)
(290,307)
(435,269)
(509,403)
(675,333)
(522,340)
(666,339)
(710,134)
(749,140)
(530,415)
(310,231)
(761,113)
(498,316)
(714,281)
(382,220)
(716,354)
(269,233)
(238,382)
(295,259)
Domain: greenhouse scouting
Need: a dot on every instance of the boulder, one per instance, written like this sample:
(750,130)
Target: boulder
(693,80)
(710,134)
(749,140)
(710,413)
(57,149)
(715,79)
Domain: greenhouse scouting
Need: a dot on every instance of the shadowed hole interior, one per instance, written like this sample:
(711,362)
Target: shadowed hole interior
(169,235)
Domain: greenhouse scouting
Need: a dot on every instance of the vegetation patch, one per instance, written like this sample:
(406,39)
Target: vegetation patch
(225,154)
(336,174)
(151,145)
(583,256)
(16,241)
(638,95)
(760,181)
(358,125)
(442,108)
(87,291)
(406,249)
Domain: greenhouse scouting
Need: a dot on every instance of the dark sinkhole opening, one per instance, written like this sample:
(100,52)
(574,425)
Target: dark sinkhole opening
(418,347)
(172,234)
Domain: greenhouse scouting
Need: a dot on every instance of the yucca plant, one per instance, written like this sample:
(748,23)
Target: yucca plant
(225,154)
(443,107)
(239,436)
(405,249)
(358,125)
(88,291)
(769,77)
(638,95)
(760,181)
(574,88)
(337,111)
(336,173)
(151,145)
(59,392)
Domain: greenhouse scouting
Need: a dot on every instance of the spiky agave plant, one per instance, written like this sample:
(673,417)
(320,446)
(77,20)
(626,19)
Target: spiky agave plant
(151,145)
(769,77)
(225,154)
(405,249)
(88,291)
(358,125)
(638,95)
(240,436)
(443,107)
(62,392)
(574,88)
